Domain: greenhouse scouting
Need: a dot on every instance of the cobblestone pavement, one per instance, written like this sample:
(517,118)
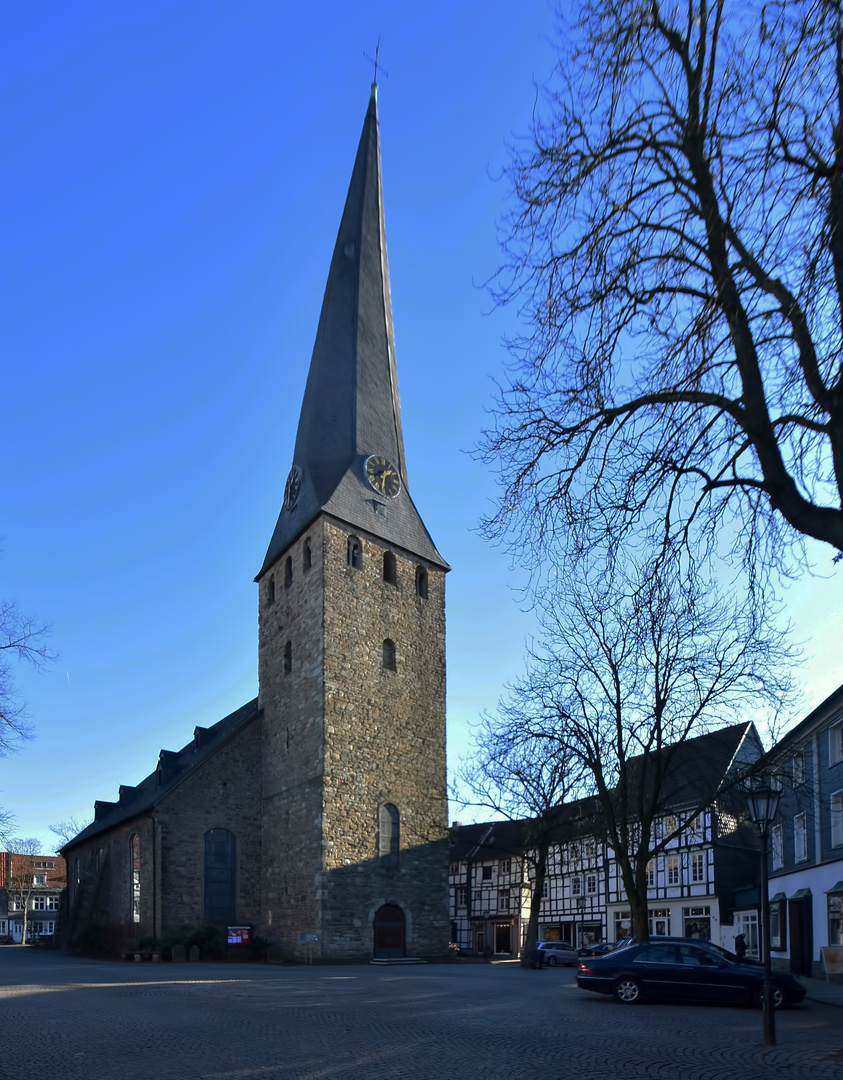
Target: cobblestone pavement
(62,1016)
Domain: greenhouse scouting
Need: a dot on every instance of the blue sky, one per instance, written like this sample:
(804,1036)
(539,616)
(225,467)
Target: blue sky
(174,178)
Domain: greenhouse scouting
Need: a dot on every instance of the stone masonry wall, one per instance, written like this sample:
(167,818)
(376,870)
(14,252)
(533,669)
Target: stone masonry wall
(223,793)
(385,737)
(342,736)
(291,611)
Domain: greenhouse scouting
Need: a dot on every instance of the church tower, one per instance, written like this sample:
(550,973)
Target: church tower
(352,640)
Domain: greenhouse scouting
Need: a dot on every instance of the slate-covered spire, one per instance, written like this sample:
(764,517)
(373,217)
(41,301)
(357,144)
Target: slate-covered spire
(351,409)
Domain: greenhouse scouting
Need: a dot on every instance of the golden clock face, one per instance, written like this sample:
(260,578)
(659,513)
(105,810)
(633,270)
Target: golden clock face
(383,476)
(292,488)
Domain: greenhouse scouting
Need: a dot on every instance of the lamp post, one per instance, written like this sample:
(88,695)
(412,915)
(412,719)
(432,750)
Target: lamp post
(763,802)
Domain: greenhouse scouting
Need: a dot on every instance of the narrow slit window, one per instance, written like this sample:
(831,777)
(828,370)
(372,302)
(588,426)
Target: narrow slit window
(355,553)
(389,835)
(307,556)
(421,582)
(288,658)
(288,572)
(390,568)
(389,654)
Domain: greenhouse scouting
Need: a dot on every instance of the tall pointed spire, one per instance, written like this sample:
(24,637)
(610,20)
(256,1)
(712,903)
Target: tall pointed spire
(351,411)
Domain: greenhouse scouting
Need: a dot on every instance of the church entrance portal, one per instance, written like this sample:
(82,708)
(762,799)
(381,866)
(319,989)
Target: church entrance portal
(390,938)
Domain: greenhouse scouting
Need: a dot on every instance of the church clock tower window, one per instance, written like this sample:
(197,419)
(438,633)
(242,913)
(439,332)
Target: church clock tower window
(390,568)
(389,835)
(355,553)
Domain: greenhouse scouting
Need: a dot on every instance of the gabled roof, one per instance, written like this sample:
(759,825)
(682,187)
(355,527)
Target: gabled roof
(827,712)
(699,769)
(351,408)
(173,767)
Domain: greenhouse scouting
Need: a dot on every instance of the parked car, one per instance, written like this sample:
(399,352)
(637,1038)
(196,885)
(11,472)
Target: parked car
(732,957)
(682,970)
(597,948)
(557,952)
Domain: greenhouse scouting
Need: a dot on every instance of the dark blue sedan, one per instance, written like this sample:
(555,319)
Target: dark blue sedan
(682,971)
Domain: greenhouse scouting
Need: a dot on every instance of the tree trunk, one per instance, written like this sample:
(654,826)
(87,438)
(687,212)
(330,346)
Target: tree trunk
(529,949)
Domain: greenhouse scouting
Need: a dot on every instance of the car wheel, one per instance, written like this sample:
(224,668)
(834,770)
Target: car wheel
(551,961)
(779,999)
(628,990)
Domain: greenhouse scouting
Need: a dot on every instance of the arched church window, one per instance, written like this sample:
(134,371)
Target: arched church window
(288,572)
(421,582)
(306,556)
(389,834)
(220,876)
(355,553)
(390,568)
(288,658)
(270,591)
(134,879)
(389,654)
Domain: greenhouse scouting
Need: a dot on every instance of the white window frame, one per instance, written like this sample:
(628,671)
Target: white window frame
(836,805)
(777,836)
(800,838)
(697,867)
(798,767)
(673,870)
(835,743)
(591,884)
(651,874)
(576,885)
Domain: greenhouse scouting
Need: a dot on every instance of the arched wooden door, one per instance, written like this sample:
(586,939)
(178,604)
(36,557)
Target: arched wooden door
(390,933)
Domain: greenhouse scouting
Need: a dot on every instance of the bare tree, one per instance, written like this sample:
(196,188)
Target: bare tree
(22,637)
(19,876)
(67,830)
(675,249)
(519,772)
(631,671)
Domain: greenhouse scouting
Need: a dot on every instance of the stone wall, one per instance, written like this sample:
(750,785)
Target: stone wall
(342,736)
(223,793)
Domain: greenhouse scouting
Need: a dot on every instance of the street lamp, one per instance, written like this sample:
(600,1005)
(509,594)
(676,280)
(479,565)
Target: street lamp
(763,802)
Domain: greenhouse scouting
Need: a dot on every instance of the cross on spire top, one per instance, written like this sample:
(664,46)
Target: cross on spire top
(377,64)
